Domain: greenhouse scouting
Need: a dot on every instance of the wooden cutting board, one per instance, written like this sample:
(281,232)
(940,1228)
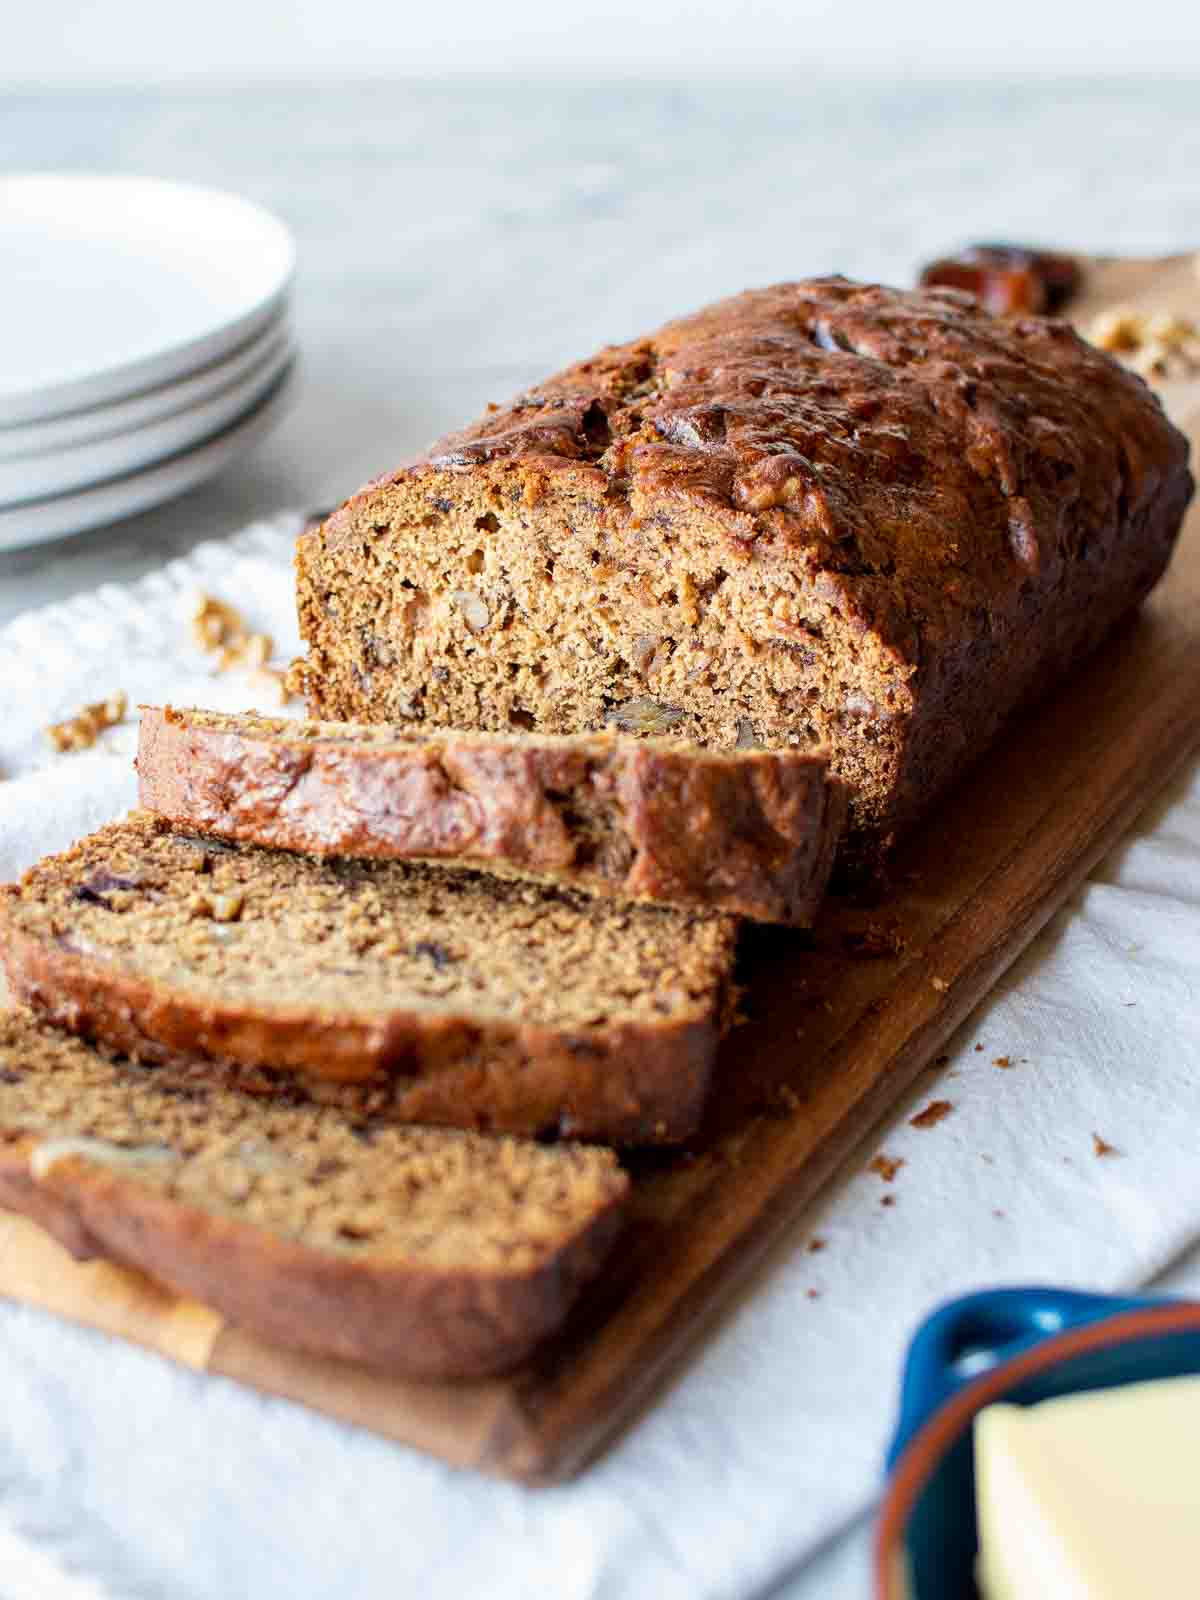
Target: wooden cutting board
(833,1038)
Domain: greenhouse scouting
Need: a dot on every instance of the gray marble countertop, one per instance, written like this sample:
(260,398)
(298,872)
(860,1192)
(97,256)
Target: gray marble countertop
(460,239)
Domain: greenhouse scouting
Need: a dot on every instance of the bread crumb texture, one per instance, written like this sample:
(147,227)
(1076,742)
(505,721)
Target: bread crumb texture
(416,992)
(434,1197)
(282,930)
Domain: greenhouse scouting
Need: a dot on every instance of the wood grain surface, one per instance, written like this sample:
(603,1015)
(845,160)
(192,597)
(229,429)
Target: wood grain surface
(838,1025)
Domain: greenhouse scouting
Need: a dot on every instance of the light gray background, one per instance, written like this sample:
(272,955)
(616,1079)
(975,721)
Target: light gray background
(139,40)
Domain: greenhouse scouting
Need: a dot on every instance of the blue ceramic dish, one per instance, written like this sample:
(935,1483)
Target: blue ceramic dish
(1017,1345)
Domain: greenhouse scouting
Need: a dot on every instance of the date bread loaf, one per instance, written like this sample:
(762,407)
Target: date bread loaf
(427,1252)
(819,513)
(750,832)
(427,996)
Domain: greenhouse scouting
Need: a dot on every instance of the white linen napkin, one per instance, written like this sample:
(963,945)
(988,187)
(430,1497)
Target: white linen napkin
(156,1480)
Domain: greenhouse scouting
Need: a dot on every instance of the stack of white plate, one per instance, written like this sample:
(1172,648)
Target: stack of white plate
(144,344)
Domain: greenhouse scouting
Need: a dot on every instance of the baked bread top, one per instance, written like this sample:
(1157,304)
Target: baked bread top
(920,458)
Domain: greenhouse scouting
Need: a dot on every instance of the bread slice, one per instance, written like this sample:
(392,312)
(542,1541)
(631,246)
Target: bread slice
(442,997)
(431,1253)
(750,832)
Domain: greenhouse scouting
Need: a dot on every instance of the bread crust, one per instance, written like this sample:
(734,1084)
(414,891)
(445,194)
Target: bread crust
(752,833)
(409,1318)
(426,1325)
(626,1084)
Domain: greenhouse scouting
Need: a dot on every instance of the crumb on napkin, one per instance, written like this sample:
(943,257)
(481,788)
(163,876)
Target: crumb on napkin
(82,730)
(220,629)
(935,1112)
(886,1166)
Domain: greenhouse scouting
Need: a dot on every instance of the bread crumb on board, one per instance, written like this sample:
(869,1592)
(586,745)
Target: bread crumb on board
(1101,1147)
(82,730)
(879,939)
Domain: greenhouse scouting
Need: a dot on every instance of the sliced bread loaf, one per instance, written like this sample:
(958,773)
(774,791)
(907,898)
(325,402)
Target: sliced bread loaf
(442,997)
(749,831)
(824,511)
(431,1253)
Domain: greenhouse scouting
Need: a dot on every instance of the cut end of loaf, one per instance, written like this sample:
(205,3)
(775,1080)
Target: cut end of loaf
(590,626)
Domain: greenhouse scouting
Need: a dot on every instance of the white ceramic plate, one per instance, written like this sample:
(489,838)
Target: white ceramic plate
(39,477)
(108,502)
(139,410)
(111,285)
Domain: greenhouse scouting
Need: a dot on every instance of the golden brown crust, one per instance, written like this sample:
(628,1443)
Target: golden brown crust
(382,1307)
(900,412)
(751,832)
(428,1325)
